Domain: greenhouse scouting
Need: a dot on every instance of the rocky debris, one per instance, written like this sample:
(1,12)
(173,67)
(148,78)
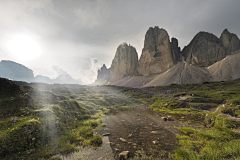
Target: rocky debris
(106,134)
(175,50)
(155,132)
(123,140)
(164,118)
(230,41)
(169,118)
(155,142)
(103,74)
(117,150)
(157,54)
(124,155)
(13,120)
(28,129)
(124,63)
(204,50)
(226,69)
(130,135)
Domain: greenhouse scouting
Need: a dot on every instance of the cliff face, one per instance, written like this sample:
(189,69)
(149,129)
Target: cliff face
(124,63)
(157,53)
(103,73)
(230,41)
(204,50)
(15,71)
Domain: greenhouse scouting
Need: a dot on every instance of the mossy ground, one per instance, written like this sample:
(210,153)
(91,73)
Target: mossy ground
(220,139)
(54,119)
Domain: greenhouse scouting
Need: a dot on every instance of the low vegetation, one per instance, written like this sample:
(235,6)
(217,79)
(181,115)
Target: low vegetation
(39,120)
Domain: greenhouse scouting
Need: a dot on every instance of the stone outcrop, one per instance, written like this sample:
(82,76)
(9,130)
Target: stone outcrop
(204,50)
(15,71)
(124,63)
(103,74)
(157,54)
(175,50)
(230,41)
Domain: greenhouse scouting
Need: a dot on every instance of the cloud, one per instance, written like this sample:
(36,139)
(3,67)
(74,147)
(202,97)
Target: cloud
(89,76)
(59,70)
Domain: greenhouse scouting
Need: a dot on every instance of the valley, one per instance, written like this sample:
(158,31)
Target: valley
(59,121)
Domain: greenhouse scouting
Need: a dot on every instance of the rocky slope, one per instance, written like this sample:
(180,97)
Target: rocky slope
(204,50)
(124,63)
(205,58)
(103,74)
(157,53)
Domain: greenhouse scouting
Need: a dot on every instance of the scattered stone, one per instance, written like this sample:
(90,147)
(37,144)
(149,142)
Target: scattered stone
(106,134)
(130,143)
(13,120)
(169,118)
(155,132)
(123,140)
(130,135)
(155,142)
(164,118)
(134,144)
(124,155)
(99,158)
(117,150)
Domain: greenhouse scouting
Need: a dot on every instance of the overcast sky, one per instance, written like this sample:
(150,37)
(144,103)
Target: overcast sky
(79,36)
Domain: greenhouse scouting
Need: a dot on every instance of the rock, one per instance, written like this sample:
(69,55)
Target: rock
(155,132)
(175,50)
(134,144)
(157,54)
(103,74)
(124,63)
(123,140)
(204,50)
(164,118)
(124,155)
(155,142)
(169,118)
(106,134)
(230,41)
(130,135)
(13,120)
(117,150)
(129,143)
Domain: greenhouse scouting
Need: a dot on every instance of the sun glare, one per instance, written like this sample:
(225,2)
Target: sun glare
(24,48)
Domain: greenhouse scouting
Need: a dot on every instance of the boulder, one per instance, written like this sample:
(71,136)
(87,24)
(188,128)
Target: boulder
(204,50)
(157,54)
(230,41)
(124,63)
(124,155)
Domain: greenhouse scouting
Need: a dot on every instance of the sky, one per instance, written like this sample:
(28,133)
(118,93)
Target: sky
(77,37)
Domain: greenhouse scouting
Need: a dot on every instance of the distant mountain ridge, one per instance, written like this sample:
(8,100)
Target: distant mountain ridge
(15,71)
(205,58)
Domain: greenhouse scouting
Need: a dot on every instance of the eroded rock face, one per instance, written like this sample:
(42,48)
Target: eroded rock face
(124,63)
(103,74)
(157,54)
(204,50)
(230,41)
(175,50)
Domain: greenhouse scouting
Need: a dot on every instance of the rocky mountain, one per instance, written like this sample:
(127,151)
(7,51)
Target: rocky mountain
(103,74)
(204,50)
(205,58)
(125,62)
(230,41)
(15,71)
(157,54)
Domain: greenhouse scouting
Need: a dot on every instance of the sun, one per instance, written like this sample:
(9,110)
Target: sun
(24,48)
